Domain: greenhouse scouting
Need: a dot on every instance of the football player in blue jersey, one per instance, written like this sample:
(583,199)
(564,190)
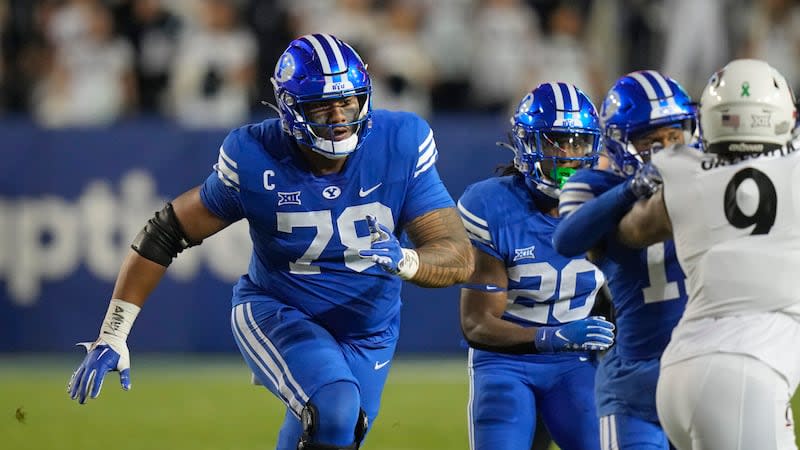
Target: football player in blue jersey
(525,311)
(326,188)
(643,112)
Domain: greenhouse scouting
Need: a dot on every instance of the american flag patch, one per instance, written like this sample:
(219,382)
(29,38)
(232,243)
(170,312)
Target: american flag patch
(730,120)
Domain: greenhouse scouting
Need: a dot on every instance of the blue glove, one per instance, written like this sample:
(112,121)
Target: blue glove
(385,249)
(591,333)
(645,182)
(87,380)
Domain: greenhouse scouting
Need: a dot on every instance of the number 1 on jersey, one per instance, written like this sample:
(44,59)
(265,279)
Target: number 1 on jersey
(660,290)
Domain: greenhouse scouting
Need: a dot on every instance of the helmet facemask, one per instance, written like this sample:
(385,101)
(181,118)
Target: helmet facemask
(550,157)
(326,137)
(639,146)
(555,132)
(322,137)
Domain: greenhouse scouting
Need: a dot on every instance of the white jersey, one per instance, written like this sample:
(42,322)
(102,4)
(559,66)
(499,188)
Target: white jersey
(736,226)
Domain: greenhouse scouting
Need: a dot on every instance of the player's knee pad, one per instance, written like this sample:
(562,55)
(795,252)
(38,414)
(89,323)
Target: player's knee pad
(336,411)
(361,426)
(309,419)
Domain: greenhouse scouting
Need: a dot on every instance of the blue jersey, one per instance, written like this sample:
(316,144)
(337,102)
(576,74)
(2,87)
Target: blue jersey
(647,285)
(544,287)
(307,230)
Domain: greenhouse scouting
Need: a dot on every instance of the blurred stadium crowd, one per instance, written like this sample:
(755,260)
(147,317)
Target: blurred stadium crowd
(205,63)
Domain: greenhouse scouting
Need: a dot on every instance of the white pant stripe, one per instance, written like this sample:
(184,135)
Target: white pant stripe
(276,367)
(602,433)
(608,433)
(266,365)
(237,334)
(278,357)
(470,422)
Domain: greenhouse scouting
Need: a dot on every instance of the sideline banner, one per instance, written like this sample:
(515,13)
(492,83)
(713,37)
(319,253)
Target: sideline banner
(71,201)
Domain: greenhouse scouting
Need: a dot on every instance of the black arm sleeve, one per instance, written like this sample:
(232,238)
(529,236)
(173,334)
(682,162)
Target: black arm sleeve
(162,238)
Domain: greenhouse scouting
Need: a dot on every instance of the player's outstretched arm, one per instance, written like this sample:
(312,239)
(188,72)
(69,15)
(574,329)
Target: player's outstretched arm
(182,223)
(444,251)
(584,227)
(483,302)
(442,256)
(151,251)
(586,224)
(646,223)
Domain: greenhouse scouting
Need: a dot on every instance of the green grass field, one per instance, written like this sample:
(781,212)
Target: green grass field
(200,403)
(207,403)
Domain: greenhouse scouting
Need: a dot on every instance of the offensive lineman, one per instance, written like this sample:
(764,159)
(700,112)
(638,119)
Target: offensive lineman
(325,190)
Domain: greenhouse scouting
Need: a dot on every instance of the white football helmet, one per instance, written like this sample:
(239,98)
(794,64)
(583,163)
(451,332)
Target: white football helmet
(747,107)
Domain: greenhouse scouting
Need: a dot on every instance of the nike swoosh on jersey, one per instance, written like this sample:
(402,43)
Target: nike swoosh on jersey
(365,192)
(380,365)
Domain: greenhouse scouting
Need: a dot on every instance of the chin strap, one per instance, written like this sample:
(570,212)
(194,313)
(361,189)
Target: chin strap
(336,149)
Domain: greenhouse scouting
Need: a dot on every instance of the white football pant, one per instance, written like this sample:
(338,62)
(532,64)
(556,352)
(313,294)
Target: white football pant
(725,401)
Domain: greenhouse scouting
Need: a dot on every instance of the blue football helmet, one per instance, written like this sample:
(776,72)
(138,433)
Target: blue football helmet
(318,68)
(638,103)
(555,132)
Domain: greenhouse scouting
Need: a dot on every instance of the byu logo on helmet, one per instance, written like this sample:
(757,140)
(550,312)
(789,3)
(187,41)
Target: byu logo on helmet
(285,68)
(525,104)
